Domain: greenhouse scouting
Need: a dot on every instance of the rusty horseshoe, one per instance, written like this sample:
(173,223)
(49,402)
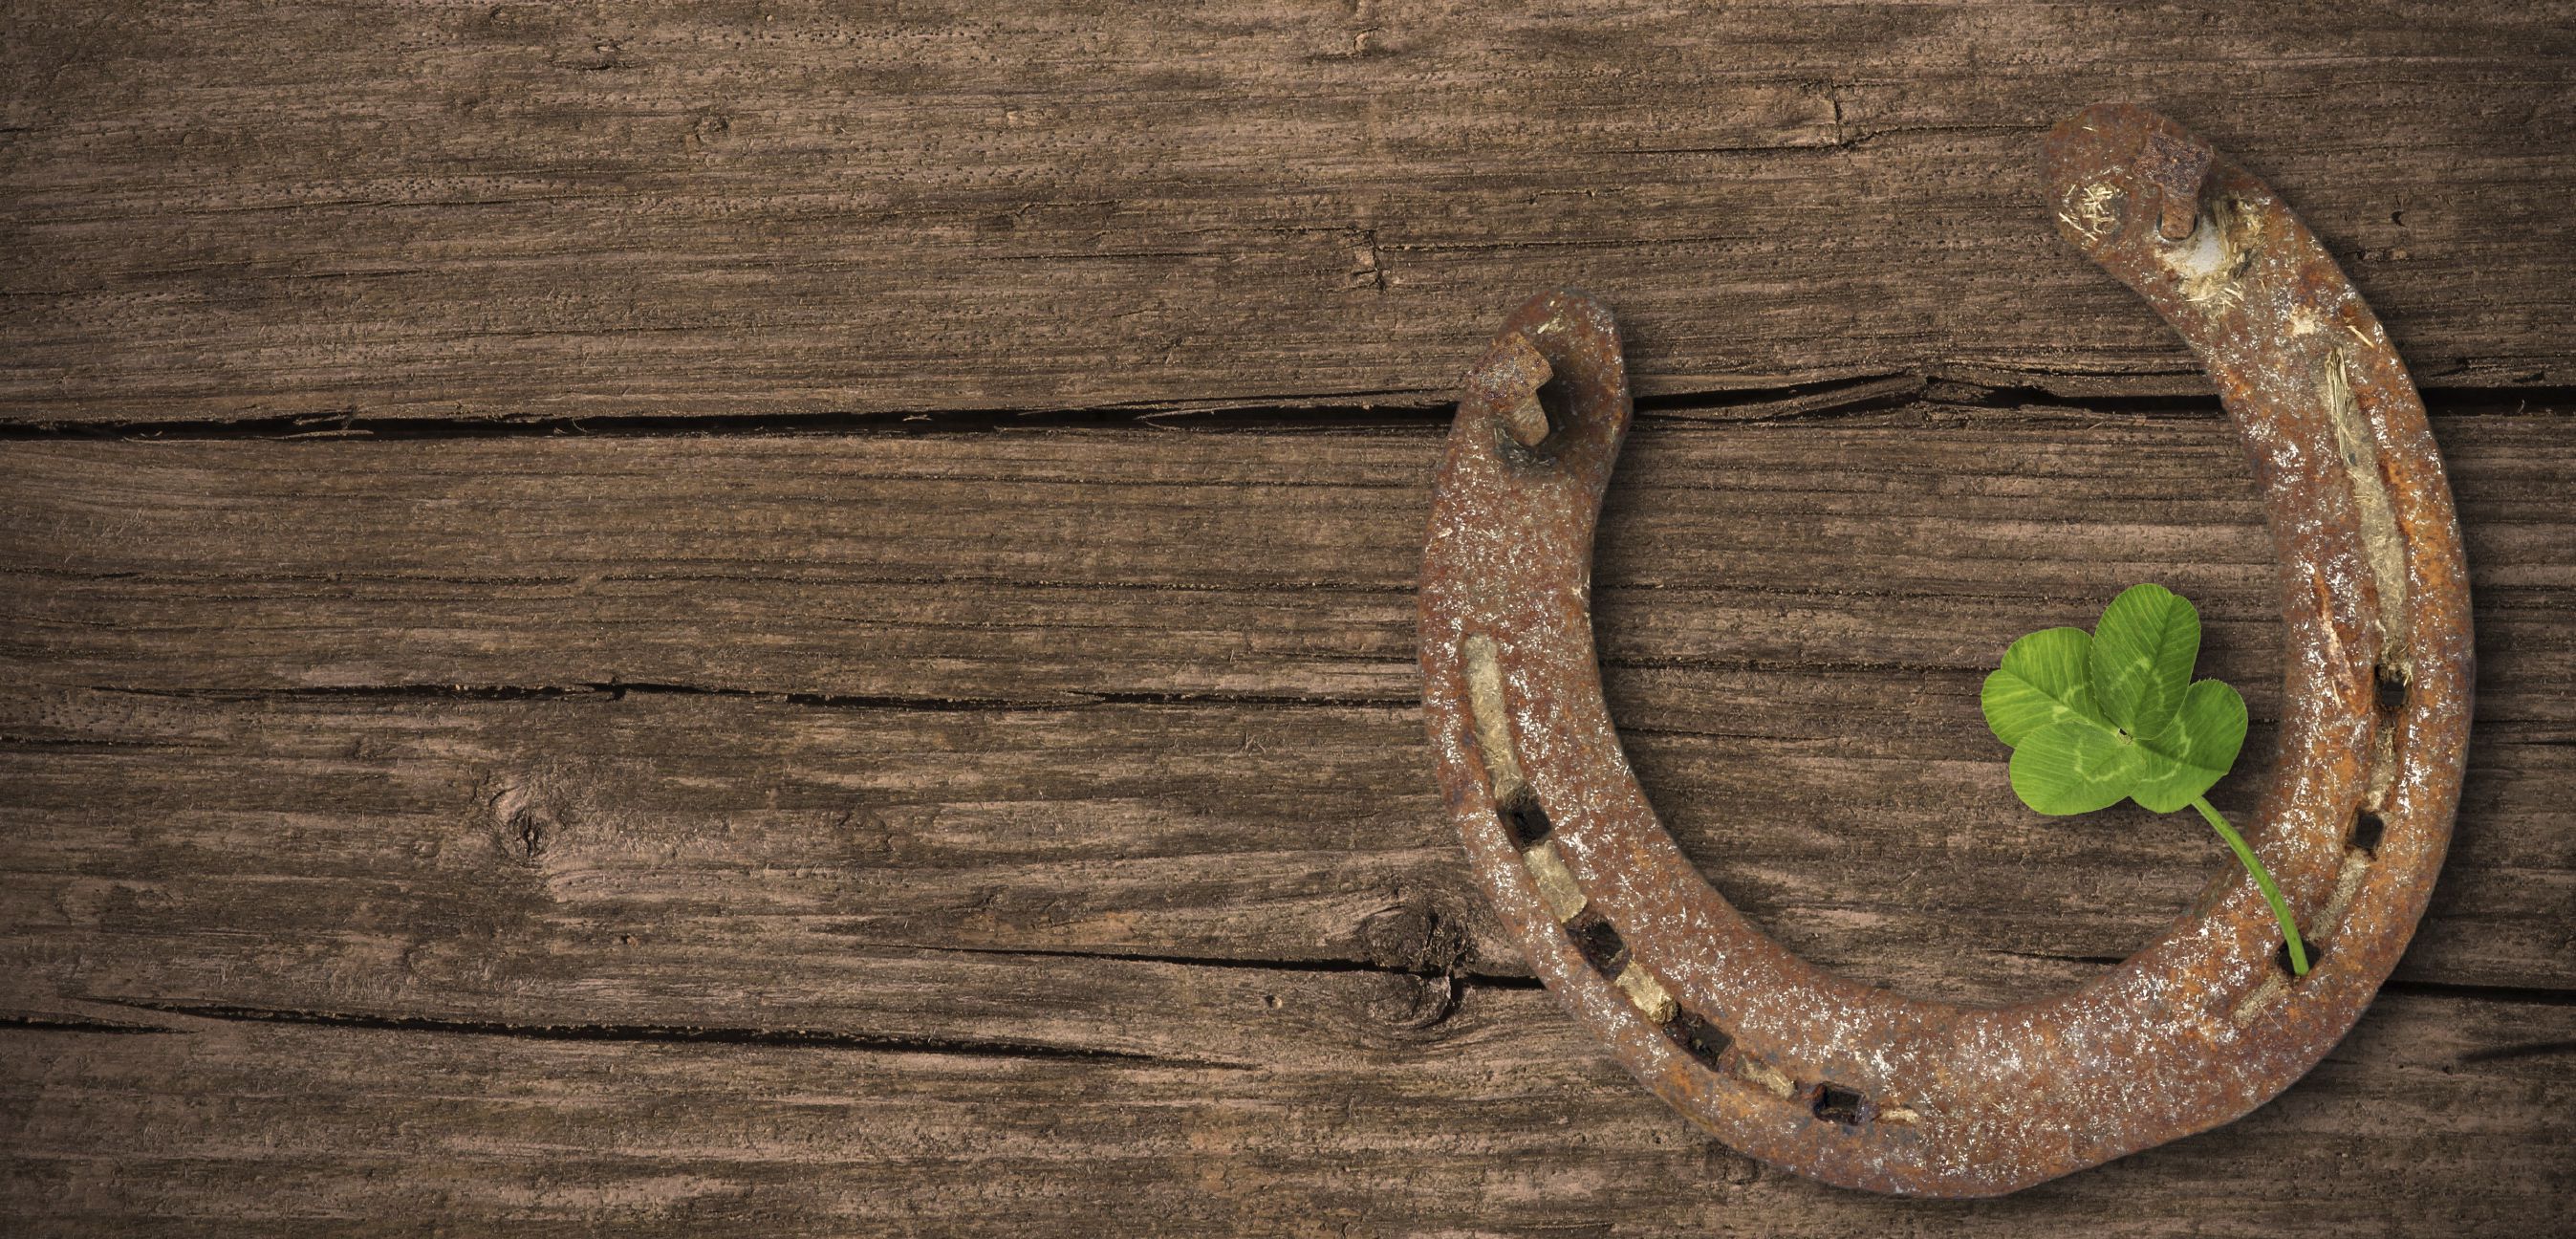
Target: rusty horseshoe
(1861,1086)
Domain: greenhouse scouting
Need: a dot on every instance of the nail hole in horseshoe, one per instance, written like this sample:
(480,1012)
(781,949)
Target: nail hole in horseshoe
(1602,947)
(1699,1038)
(1554,399)
(1836,1104)
(1525,821)
(2366,830)
(2316,957)
(2392,687)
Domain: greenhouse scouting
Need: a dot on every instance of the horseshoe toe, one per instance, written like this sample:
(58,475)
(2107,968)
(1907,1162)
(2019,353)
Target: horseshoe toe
(1861,1086)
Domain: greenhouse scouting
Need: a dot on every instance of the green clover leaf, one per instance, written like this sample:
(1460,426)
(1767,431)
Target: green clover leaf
(2095,718)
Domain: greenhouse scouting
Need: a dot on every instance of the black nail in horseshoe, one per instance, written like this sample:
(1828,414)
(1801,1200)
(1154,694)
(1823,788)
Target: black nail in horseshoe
(1864,1087)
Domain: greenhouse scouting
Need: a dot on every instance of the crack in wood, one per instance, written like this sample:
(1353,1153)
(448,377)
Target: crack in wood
(620,690)
(1790,402)
(1463,976)
(665,1034)
(72,1024)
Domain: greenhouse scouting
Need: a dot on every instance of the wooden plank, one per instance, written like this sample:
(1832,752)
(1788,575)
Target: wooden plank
(242,758)
(654,860)
(1060,566)
(331,213)
(899,830)
(1325,1110)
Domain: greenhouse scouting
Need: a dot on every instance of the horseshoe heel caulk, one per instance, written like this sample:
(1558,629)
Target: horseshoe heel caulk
(1861,1086)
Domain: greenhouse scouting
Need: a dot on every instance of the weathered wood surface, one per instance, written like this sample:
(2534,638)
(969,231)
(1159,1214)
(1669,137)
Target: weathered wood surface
(1355,1118)
(342,758)
(898,827)
(363,212)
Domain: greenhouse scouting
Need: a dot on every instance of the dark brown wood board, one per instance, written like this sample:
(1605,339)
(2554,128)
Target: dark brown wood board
(357,212)
(741,619)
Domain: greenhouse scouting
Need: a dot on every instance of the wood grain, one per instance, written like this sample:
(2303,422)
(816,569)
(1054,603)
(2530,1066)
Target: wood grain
(1203,688)
(749,753)
(335,213)
(1348,1118)
(614,620)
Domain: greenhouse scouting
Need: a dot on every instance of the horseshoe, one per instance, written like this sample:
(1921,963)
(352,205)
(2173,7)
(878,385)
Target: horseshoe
(1863,1087)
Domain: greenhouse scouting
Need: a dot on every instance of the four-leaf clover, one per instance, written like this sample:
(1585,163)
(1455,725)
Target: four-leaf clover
(2093,718)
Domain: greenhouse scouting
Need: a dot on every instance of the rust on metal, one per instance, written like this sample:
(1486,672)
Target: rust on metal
(1862,1086)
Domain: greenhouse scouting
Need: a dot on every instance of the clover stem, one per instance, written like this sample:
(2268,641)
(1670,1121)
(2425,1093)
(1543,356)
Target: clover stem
(2262,878)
